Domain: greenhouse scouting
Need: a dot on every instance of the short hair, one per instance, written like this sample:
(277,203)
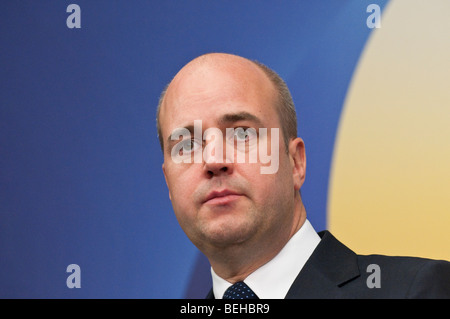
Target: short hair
(158,110)
(285,107)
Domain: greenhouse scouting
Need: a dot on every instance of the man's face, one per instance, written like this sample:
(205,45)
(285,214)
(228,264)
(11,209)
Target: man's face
(220,202)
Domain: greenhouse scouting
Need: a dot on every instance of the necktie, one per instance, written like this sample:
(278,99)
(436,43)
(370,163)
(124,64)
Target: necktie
(239,291)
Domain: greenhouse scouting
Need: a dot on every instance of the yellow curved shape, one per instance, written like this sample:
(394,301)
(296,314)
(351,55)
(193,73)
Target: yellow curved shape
(389,189)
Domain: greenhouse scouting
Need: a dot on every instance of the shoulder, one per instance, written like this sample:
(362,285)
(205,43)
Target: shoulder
(418,277)
(412,277)
(395,276)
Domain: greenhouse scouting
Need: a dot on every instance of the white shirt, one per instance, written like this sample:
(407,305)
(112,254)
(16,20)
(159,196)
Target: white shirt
(273,279)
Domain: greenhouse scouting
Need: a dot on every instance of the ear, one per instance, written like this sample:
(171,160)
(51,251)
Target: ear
(298,159)
(165,177)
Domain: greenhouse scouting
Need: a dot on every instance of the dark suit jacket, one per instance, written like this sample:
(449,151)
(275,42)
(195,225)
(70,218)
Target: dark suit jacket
(334,271)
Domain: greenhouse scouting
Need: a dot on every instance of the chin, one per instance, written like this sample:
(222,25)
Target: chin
(228,234)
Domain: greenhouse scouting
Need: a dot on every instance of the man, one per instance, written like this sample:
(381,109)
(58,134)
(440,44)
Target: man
(250,222)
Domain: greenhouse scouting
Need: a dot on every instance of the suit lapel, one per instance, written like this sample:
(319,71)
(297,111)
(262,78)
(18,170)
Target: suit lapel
(210,294)
(330,267)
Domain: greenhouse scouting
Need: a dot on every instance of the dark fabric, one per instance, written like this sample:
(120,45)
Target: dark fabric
(335,271)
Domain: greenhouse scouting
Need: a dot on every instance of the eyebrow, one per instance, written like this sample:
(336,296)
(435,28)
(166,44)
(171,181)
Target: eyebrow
(240,116)
(178,132)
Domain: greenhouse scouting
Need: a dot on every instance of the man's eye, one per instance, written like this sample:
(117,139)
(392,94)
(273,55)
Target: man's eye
(244,134)
(188,146)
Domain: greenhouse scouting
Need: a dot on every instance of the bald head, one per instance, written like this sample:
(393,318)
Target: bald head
(192,79)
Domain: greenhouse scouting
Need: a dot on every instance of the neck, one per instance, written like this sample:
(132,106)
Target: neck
(235,263)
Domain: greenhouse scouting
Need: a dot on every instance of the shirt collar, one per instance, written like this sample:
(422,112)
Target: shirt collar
(273,279)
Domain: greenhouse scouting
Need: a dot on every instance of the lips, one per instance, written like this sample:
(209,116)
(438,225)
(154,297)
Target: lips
(221,197)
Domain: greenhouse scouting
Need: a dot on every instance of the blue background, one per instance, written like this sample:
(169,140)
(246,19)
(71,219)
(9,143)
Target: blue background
(80,163)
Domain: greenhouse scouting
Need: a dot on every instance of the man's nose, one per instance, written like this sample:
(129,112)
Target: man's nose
(215,157)
(216,168)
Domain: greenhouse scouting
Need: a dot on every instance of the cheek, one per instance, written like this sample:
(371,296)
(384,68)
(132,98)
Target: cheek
(182,205)
(271,188)
(181,183)
(260,186)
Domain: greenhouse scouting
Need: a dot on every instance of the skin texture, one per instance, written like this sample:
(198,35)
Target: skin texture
(242,231)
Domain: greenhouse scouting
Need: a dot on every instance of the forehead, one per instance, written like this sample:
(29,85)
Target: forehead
(207,92)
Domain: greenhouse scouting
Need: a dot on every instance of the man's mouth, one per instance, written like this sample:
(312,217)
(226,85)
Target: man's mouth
(222,197)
